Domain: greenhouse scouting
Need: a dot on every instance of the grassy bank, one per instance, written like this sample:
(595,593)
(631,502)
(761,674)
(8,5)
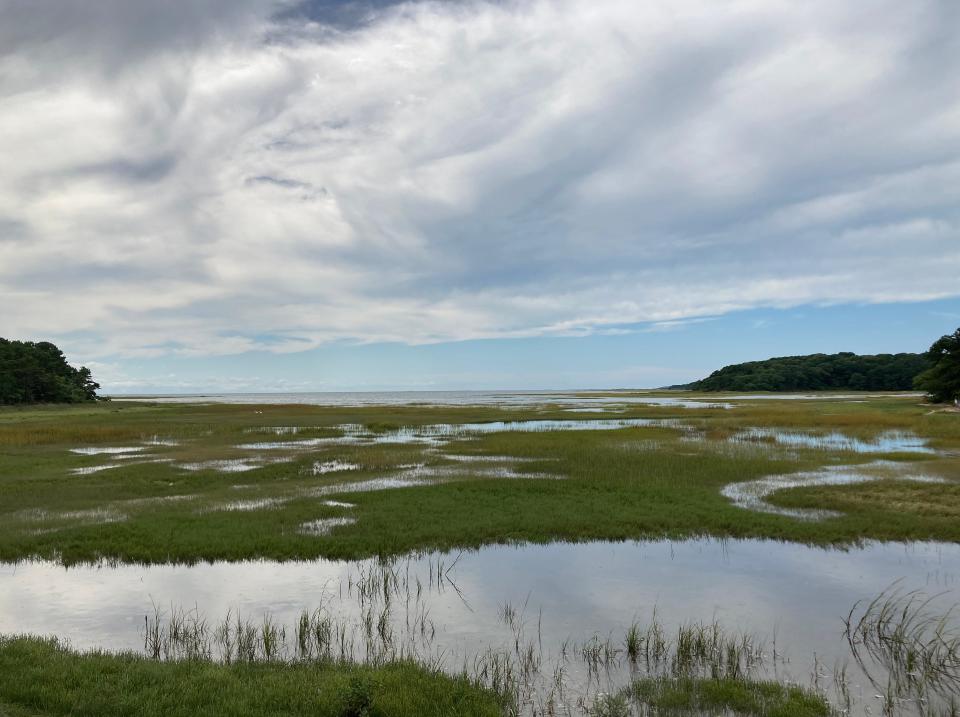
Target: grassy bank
(42,677)
(241,667)
(45,677)
(174,500)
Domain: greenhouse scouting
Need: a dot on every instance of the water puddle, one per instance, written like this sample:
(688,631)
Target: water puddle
(566,606)
(279,430)
(411,479)
(752,495)
(890,442)
(324,526)
(69,518)
(89,470)
(229,465)
(508,473)
(164,442)
(158,500)
(407,476)
(449,430)
(107,450)
(247,505)
(461,458)
(297,444)
(322,468)
(128,454)
(136,459)
(114,512)
(614,408)
(442,433)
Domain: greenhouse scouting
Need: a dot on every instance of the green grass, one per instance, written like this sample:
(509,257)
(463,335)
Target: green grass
(42,677)
(616,485)
(728,696)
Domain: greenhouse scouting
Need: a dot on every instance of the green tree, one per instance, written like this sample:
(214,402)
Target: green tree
(39,373)
(819,372)
(942,380)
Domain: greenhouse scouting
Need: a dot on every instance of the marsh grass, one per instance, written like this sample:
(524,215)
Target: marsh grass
(724,696)
(703,669)
(654,482)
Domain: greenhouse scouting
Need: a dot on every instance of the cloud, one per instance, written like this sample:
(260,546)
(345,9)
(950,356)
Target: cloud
(192,180)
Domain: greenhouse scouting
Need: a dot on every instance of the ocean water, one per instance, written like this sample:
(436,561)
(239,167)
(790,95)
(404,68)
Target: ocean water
(433,398)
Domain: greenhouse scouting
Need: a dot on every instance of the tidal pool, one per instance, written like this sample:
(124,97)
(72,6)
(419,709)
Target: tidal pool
(334,466)
(752,495)
(107,450)
(889,442)
(323,526)
(441,433)
(228,465)
(558,597)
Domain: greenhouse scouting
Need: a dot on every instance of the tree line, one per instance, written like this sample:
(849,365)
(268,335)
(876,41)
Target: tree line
(38,372)
(819,372)
(935,372)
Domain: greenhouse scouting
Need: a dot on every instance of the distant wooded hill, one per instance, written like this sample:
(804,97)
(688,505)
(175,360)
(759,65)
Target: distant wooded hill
(819,372)
(39,373)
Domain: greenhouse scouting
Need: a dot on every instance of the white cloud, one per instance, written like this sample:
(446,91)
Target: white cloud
(234,178)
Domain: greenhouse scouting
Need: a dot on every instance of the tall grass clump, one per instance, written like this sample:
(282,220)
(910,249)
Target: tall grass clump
(909,648)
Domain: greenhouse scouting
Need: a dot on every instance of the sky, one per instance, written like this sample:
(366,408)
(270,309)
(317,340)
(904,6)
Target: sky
(242,195)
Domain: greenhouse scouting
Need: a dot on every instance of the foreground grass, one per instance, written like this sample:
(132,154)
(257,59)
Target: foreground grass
(649,482)
(42,677)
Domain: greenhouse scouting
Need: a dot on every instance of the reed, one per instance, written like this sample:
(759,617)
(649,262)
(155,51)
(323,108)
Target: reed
(909,647)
